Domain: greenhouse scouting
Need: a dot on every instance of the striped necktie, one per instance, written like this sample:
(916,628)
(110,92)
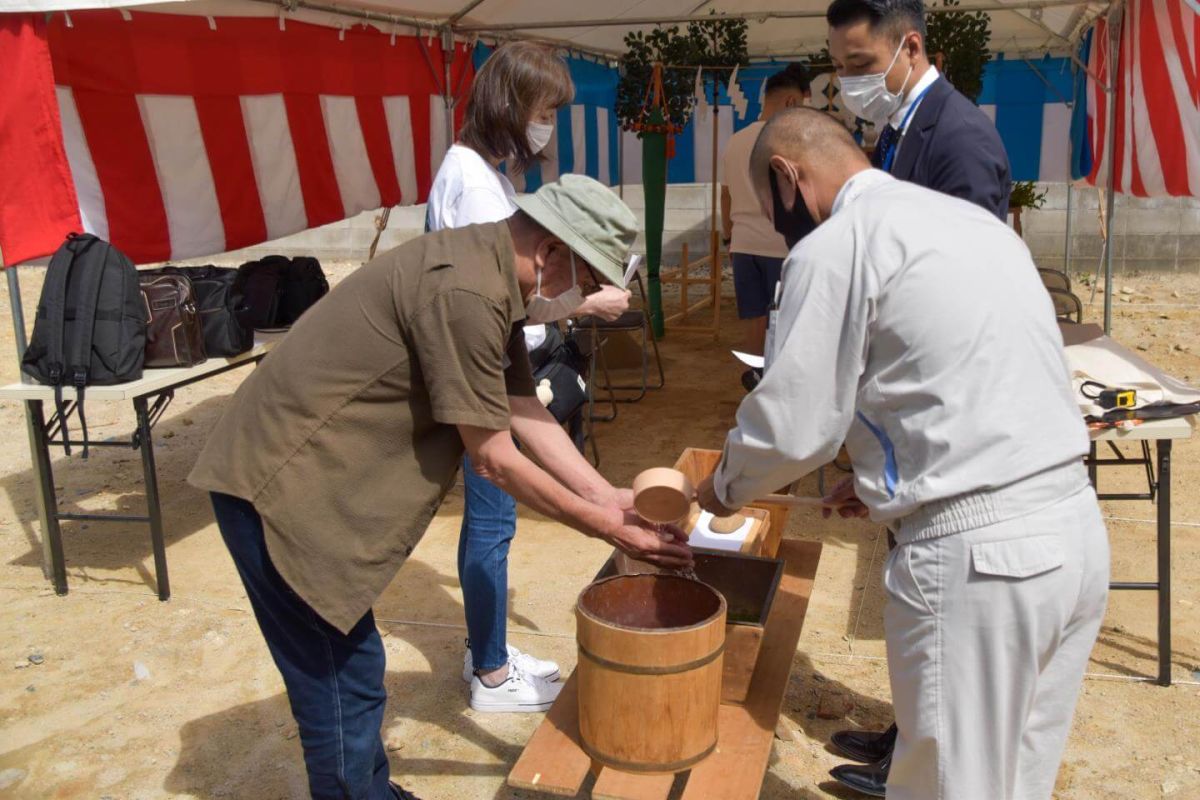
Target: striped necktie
(886,144)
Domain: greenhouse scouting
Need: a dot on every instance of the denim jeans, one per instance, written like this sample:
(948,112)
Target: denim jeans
(488,525)
(334,681)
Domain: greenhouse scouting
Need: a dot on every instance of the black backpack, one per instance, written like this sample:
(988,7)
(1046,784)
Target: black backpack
(277,290)
(221,305)
(305,285)
(91,324)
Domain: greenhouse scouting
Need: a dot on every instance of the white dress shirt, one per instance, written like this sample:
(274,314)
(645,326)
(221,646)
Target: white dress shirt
(913,326)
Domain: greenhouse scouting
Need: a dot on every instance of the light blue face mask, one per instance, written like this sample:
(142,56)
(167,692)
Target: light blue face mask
(540,309)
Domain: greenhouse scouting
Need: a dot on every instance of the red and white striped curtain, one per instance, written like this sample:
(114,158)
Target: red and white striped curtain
(1156,142)
(185,136)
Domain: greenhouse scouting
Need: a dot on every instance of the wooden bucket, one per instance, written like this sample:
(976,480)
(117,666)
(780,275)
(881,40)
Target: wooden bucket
(649,673)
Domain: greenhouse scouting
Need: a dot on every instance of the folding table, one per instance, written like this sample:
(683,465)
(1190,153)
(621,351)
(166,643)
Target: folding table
(150,397)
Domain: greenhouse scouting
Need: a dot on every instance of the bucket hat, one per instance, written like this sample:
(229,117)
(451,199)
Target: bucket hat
(589,218)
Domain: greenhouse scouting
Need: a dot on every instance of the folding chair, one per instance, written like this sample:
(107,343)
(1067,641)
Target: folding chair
(1067,307)
(632,321)
(590,343)
(1055,279)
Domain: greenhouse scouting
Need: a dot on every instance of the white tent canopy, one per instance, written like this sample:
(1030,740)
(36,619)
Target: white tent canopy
(775,28)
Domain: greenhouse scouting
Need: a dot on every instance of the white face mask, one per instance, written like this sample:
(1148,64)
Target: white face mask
(540,310)
(867,96)
(539,135)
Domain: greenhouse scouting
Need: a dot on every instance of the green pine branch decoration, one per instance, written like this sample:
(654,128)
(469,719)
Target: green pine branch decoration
(710,43)
(962,39)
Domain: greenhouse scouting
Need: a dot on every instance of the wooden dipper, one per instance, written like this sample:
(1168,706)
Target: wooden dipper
(662,495)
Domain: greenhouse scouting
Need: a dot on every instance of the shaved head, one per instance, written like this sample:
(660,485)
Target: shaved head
(808,150)
(802,135)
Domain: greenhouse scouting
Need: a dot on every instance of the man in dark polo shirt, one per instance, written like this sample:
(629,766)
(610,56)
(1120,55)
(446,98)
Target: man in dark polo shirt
(335,453)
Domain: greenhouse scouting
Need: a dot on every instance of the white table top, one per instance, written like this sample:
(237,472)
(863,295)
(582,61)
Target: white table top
(1149,430)
(152,380)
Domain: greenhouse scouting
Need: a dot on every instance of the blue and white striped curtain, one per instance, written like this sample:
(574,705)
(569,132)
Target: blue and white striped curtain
(1029,100)
(693,147)
(1031,103)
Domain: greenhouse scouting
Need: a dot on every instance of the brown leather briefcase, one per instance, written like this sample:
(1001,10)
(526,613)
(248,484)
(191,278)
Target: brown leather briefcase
(175,333)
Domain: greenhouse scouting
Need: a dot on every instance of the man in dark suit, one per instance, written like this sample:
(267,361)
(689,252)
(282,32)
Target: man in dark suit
(932,135)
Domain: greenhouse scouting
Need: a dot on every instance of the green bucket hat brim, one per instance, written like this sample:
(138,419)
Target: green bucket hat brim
(548,217)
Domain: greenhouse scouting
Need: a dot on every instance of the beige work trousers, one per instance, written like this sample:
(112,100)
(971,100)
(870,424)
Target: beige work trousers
(988,635)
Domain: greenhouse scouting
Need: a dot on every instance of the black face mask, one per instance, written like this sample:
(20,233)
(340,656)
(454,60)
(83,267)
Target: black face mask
(792,225)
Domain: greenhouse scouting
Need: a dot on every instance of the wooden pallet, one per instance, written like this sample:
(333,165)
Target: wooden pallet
(554,763)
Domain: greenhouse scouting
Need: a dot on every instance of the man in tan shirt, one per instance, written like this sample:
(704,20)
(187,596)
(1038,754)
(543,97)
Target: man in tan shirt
(335,453)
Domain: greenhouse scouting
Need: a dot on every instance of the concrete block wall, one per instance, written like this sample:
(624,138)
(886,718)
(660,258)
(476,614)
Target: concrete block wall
(687,220)
(1151,235)
(1161,234)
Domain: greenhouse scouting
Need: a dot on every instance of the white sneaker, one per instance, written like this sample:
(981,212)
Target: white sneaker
(535,667)
(519,692)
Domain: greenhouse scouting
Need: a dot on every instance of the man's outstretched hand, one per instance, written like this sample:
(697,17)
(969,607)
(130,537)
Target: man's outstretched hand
(706,496)
(844,500)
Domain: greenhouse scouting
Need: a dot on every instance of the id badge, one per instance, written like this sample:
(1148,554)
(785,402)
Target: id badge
(772,322)
(769,342)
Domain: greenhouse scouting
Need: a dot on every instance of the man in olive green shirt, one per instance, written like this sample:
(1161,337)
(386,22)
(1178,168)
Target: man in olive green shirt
(336,451)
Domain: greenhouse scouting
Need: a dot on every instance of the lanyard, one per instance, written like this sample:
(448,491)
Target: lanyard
(891,155)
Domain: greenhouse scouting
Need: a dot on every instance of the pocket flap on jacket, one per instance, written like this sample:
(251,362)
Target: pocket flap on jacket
(1018,558)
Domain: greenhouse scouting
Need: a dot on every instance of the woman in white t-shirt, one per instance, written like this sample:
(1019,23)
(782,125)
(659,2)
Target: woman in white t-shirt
(510,117)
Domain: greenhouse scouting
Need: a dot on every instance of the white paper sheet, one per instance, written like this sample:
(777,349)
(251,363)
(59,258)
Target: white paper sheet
(635,261)
(702,536)
(755,362)
(1105,361)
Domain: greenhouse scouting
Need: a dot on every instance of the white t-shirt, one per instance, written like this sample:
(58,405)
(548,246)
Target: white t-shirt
(467,190)
(752,231)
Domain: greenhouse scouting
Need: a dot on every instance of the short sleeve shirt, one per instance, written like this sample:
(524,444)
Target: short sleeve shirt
(753,233)
(344,437)
(468,190)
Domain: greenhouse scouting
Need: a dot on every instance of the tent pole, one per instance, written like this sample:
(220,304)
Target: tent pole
(447,84)
(18,314)
(18,318)
(714,265)
(620,163)
(1114,45)
(1067,248)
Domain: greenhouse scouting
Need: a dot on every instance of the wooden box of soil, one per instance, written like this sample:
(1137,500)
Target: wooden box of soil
(697,464)
(748,584)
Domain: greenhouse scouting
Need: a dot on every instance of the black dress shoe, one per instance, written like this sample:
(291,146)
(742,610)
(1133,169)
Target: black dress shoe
(865,746)
(870,780)
(401,794)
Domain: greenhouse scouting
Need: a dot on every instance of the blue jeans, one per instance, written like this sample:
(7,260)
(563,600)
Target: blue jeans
(488,525)
(334,681)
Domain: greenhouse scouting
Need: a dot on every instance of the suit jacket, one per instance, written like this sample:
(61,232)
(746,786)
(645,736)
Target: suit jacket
(952,147)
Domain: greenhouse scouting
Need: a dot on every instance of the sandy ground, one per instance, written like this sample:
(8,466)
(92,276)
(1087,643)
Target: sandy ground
(133,698)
